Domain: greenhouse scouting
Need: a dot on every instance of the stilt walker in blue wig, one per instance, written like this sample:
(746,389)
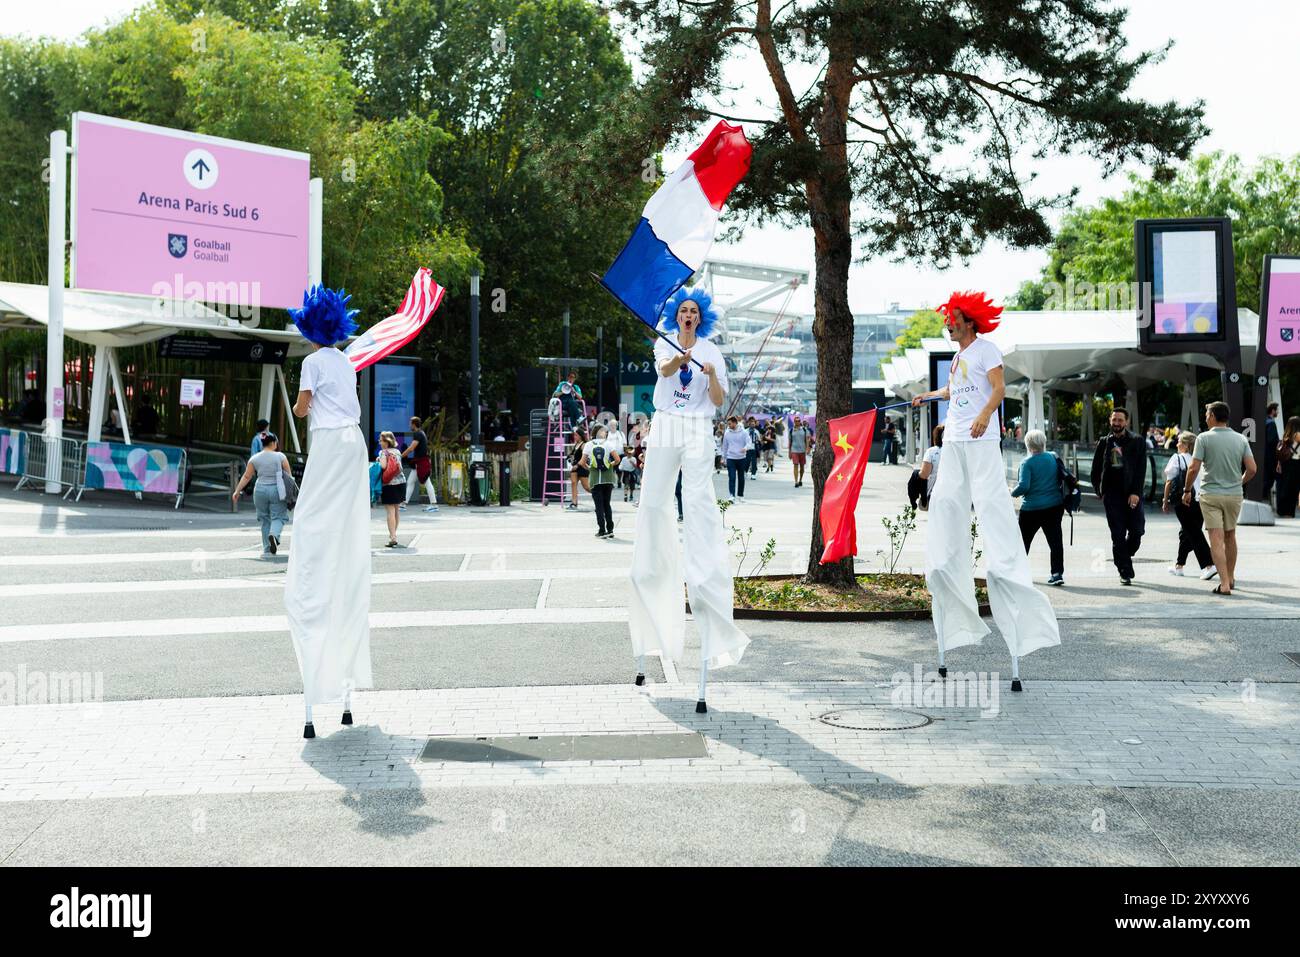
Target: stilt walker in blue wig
(327,590)
(686,399)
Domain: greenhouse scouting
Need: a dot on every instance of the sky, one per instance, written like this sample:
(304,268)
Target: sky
(1239,58)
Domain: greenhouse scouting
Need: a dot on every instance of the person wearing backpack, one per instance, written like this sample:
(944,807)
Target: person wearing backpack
(1044,506)
(1191,539)
(601,460)
(393,491)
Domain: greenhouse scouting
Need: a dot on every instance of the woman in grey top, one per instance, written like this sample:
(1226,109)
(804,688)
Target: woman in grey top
(268,494)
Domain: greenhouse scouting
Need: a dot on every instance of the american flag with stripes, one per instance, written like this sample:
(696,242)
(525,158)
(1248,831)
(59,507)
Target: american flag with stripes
(386,337)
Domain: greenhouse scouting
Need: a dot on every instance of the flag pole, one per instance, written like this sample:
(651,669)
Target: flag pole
(899,405)
(644,323)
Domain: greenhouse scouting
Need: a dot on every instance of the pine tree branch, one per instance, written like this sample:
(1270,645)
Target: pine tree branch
(776,70)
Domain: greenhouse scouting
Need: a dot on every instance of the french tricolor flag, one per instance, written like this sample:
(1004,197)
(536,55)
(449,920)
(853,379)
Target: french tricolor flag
(678,224)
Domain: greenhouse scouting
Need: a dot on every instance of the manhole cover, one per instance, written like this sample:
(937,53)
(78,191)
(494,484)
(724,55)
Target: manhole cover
(875,719)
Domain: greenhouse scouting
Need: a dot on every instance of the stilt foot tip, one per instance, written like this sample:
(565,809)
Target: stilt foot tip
(943,672)
(640,680)
(1015,685)
(347,717)
(701,708)
(308,730)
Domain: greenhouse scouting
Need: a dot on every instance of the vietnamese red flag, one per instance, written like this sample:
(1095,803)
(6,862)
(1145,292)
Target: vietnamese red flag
(851,440)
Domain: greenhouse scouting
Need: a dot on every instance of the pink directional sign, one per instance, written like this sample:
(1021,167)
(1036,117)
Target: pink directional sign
(1282,335)
(164,212)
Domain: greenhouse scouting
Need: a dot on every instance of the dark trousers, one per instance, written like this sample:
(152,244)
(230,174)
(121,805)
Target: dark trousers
(679,494)
(752,461)
(1288,489)
(1190,537)
(600,494)
(890,455)
(1126,528)
(916,489)
(736,476)
(1049,520)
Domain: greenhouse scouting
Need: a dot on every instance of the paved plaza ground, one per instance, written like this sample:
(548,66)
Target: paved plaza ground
(1165,729)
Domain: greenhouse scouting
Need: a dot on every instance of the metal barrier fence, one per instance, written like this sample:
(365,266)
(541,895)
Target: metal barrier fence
(71,462)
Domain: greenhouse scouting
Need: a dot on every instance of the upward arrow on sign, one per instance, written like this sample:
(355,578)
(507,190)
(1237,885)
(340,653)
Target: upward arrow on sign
(201,166)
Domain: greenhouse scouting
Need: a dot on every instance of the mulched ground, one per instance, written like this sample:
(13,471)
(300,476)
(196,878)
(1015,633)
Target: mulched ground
(874,593)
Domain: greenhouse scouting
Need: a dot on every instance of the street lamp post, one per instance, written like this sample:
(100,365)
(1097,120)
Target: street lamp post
(475,436)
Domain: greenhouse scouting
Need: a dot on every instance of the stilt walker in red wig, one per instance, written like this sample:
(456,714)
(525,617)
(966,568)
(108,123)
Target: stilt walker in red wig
(972,473)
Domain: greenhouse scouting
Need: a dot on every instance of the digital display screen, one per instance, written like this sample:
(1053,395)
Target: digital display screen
(393,403)
(1185,293)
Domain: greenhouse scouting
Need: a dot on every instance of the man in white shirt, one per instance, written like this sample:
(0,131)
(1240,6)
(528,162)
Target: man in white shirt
(686,399)
(973,472)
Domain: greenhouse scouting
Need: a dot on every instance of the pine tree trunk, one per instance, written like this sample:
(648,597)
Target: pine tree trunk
(829,201)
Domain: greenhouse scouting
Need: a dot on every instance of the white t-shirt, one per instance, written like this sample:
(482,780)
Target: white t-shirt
(691,399)
(329,375)
(931,456)
(1182,462)
(969,391)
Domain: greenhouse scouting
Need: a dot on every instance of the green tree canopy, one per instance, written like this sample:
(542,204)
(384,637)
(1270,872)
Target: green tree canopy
(922,324)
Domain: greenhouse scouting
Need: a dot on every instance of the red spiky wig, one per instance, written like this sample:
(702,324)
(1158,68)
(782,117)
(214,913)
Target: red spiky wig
(976,307)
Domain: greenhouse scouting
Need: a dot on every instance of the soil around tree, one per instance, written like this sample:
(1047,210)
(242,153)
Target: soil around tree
(877,596)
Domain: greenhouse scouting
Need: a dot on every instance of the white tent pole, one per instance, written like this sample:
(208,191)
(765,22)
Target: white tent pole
(1085,420)
(98,394)
(1131,403)
(1015,672)
(640,669)
(288,408)
(315,199)
(55,267)
(119,394)
(267,395)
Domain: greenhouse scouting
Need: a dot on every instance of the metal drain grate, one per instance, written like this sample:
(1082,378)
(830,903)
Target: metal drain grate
(875,719)
(567,747)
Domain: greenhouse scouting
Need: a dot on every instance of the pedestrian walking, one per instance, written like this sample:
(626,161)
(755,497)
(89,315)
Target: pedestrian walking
(769,449)
(1119,469)
(735,451)
(327,587)
(1287,470)
(578,473)
(421,472)
(1043,506)
(627,474)
(1225,457)
(921,484)
(268,468)
(800,440)
(602,461)
(1191,540)
(755,440)
(259,437)
(393,483)
(891,440)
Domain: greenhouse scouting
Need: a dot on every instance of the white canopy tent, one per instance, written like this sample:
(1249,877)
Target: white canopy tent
(110,321)
(1075,351)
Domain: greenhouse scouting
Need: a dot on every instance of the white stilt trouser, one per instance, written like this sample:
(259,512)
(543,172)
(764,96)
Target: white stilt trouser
(972,472)
(658,615)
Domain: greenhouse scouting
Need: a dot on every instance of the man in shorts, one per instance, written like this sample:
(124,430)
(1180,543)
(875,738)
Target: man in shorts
(1225,458)
(800,438)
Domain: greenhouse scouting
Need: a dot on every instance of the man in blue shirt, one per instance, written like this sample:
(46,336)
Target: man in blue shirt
(259,430)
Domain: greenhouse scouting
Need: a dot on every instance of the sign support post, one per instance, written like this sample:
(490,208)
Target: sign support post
(54,329)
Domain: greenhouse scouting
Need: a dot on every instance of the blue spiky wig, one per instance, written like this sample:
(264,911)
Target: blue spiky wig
(325,317)
(708,315)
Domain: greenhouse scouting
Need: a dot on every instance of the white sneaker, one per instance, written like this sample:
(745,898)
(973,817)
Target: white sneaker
(1175,570)
(1209,573)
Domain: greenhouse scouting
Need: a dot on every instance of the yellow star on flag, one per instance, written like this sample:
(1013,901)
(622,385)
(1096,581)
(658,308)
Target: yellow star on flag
(843,443)
(839,477)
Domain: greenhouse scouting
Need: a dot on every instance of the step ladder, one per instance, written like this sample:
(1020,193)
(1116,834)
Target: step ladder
(555,476)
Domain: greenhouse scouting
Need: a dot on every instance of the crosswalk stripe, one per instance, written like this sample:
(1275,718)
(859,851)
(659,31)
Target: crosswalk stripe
(255,624)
